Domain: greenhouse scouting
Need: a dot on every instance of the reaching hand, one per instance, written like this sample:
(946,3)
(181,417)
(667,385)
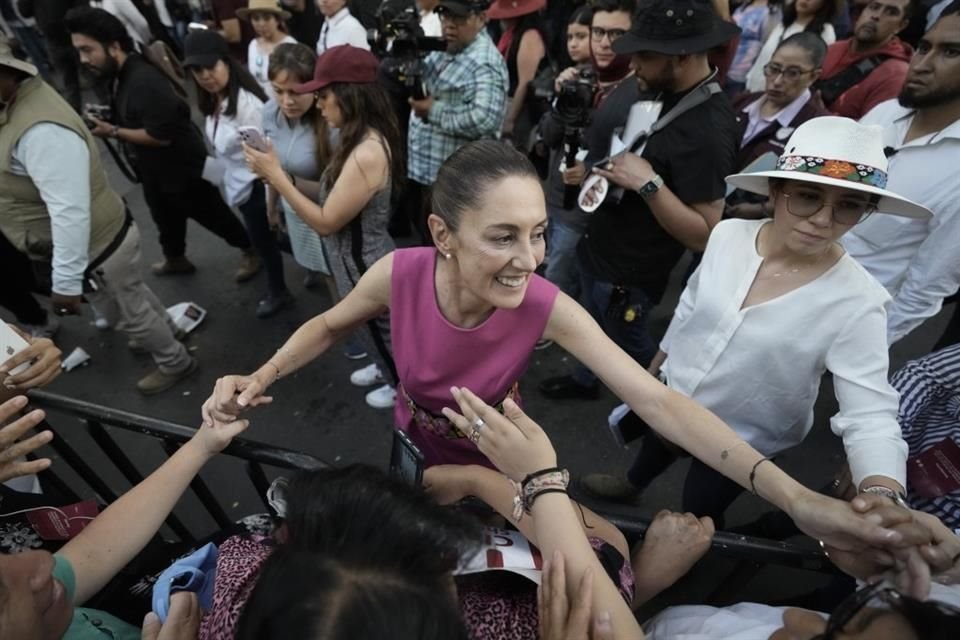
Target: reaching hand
(231,396)
(449,483)
(11,449)
(838,525)
(214,438)
(944,554)
(673,543)
(44,359)
(183,621)
(558,619)
(515,444)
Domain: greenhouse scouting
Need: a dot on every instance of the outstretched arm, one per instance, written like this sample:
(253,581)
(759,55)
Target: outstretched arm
(114,537)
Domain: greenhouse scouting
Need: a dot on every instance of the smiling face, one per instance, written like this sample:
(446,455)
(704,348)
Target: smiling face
(33,606)
(293,105)
(815,234)
(498,245)
(212,79)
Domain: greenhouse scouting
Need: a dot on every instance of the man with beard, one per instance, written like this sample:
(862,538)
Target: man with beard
(917,260)
(674,190)
(153,124)
(861,72)
(58,209)
(466,88)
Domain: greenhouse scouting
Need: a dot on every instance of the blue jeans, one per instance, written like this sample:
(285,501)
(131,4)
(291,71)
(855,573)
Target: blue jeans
(622,313)
(562,263)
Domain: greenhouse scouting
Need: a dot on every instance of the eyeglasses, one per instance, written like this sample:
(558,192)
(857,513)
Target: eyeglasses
(612,34)
(805,203)
(772,70)
(858,600)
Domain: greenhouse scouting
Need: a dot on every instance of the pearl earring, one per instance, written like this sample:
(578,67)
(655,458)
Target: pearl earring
(447,256)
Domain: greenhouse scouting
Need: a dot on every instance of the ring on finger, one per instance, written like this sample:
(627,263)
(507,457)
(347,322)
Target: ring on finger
(478,424)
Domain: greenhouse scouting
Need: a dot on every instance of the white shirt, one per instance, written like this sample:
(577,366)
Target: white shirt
(430,23)
(918,261)
(759,369)
(259,63)
(130,16)
(342,28)
(223,134)
(755,78)
(163,13)
(935,12)
(66,194)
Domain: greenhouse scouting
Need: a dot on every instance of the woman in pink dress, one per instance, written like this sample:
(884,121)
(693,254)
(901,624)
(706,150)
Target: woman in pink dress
(467,312)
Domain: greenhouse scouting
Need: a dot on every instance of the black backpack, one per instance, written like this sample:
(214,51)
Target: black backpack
(835,86)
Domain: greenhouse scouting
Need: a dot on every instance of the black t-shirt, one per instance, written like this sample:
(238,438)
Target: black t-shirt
(624,243)
(304,25)
(145,99)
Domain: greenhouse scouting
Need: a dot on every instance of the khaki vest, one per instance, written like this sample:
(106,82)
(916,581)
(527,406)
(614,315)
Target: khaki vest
(23,215)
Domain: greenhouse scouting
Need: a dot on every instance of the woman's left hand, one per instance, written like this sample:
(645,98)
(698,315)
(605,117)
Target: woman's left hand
(266,165)
(43,357)
(513,442)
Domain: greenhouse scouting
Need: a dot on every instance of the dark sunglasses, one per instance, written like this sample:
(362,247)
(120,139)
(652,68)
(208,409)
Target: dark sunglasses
(910,608)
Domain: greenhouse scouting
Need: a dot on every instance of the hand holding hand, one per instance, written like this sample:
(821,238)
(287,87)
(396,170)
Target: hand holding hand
(265,164)
(838,525)
(561,620)
(943,555)
(232,395)
(44,359)
(214,438)
(12,448)
(628,170)
(183,620)
(515,444)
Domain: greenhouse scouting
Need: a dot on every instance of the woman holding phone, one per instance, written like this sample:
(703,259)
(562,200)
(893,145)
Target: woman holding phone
(352,205)
(468,312)
(230,99)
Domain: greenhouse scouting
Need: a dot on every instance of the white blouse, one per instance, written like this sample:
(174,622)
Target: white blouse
(759,368)
(223,134)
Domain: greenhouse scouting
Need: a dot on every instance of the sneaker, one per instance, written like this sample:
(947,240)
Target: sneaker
(250,265)
(610,488)
(542,344)
(178,266)
(158,381)
(47,330)
(367,377)
(382,397)
(354,350)
(273,304)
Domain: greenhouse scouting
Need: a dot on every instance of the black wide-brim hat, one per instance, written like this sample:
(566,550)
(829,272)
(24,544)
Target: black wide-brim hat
(675,28)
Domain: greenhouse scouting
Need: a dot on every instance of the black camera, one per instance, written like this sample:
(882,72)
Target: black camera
(98,111)
(400,42)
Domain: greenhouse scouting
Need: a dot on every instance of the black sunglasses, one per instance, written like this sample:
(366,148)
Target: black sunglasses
(858,600)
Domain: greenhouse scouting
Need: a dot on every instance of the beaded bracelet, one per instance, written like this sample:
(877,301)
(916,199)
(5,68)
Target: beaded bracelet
(553,480)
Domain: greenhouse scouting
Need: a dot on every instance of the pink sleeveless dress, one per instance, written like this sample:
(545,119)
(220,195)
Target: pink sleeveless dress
(432,354)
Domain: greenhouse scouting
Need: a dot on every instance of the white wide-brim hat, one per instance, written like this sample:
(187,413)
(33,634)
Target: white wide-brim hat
(7,59)
(838,152)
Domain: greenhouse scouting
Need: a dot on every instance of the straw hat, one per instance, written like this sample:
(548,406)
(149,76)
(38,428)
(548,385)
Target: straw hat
(7,59)
(263,6)
(837,152)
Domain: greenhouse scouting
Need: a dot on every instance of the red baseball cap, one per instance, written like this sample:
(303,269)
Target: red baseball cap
(343,63)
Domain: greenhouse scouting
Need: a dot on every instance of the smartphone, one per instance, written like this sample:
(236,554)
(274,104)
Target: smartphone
(253,137)
(10,345)
(406,460)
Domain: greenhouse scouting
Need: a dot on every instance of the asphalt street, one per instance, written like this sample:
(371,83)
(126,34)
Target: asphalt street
(319,412)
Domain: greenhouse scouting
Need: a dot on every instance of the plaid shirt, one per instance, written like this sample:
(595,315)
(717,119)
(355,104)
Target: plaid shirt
(469,92)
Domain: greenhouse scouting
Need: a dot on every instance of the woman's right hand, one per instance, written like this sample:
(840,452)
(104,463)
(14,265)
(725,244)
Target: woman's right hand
(513,442)
(231,396)
(567,74)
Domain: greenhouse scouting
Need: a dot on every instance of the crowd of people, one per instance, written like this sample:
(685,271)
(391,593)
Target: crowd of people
(545,169)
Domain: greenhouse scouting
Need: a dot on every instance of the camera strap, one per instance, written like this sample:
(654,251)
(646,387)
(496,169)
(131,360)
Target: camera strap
(693,99)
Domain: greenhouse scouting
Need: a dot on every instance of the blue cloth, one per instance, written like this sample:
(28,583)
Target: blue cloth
(611,310)
(562,264)
(196,573)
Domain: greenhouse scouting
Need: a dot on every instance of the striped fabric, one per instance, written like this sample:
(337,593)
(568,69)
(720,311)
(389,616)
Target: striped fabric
(930,412)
